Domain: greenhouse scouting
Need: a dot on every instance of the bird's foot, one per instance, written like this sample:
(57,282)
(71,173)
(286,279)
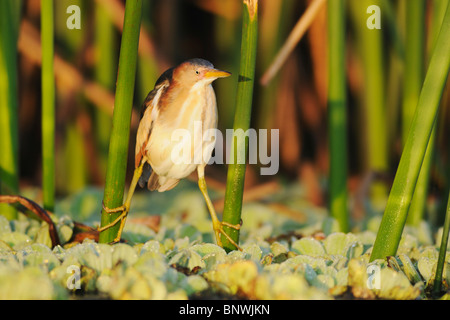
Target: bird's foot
(122,217)
(218,229)
(113,210)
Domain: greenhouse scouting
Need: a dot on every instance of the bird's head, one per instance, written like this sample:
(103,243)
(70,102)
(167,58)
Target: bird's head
(195,71)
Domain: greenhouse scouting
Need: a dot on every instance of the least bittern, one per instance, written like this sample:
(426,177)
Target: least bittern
(183,97)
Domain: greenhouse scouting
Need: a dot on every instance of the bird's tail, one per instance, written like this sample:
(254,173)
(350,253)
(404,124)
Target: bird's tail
(161,183)
(153,182)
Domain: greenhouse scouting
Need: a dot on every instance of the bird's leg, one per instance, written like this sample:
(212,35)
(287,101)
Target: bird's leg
(125,208)
(217,224)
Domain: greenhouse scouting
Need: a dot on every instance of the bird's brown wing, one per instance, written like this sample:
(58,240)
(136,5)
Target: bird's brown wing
(149,113)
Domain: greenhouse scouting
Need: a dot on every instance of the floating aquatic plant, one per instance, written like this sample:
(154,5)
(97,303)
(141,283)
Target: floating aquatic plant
(177,263)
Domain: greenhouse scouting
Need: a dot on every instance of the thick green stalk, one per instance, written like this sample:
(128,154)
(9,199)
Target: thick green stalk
(118,148)
(371,46)
(48,105)
(337,113)
(396,211)
(9,132)
(442,251)
(236,171)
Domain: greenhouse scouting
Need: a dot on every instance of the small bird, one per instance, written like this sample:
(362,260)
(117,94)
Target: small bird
(183,97)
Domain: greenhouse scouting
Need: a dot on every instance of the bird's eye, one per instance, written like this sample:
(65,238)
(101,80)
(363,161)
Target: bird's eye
(197,72)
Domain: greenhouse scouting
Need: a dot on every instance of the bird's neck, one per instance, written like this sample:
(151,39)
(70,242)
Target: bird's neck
(188,102)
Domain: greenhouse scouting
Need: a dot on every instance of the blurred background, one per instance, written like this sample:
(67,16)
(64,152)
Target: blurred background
(294,101)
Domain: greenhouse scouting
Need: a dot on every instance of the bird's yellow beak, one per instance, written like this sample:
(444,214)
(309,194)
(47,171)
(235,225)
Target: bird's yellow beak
(214,73)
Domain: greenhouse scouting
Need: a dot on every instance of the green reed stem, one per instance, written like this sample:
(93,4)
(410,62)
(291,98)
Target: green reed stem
(395,15)
(418,204)
(371,46)
(48,105)
(118,148)
(236,171)
(401,194)
(337,117)
(105,71)
(9,104)
(442,251)
(440,133)
(414,61)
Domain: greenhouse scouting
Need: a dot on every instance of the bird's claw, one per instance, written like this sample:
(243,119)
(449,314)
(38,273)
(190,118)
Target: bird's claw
(120,218)
(232,226)
(218,229)
(113,210)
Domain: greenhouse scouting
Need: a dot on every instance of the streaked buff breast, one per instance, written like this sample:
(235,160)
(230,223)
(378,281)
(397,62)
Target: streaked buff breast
(195,112)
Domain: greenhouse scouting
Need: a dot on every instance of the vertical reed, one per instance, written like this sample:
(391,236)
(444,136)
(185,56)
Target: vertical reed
(9,132)
(48,105)
(236,171)
(442,251)
(105,71)
(371,51)
(118,148)
(413,154)
(414,61)
(418,204)
(337,113)
(414,69)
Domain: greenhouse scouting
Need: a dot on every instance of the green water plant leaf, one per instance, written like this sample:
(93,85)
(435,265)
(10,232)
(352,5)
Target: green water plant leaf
(187,258)
(395,285)
(427,268)
(194,284)
(4,225)
(64,227)
(123,253)
(409,269)
(308,246)
(38,255)
(207,249)
(30,283)
(15,239)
